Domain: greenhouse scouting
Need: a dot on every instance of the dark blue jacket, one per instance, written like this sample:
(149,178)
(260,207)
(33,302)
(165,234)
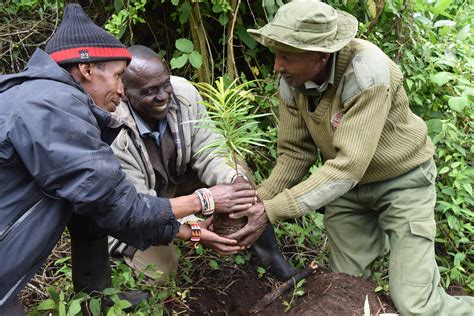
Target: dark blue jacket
(53,162)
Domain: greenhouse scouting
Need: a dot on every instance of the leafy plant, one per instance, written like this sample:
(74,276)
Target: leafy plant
(127,14)
(230,115)
(297,291)
(186,54)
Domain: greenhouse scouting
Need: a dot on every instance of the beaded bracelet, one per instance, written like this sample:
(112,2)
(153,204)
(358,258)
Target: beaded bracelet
(207,201)
(195,233)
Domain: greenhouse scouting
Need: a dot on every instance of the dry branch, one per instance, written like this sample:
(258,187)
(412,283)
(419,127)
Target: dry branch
(285,286)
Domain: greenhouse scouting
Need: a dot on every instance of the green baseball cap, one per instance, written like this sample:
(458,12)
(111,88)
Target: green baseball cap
(307,25)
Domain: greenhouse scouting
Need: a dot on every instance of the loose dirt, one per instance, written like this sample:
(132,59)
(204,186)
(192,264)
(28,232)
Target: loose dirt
(233,292)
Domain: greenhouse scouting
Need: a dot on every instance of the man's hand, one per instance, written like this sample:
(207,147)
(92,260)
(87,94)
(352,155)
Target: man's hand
(233,197)
(257,222)
(221,245)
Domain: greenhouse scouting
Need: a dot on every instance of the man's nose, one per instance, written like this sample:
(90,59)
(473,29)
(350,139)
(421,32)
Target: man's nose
(120,89)
(278,65)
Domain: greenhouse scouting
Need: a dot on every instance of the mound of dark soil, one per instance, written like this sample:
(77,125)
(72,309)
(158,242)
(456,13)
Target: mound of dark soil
(230,291)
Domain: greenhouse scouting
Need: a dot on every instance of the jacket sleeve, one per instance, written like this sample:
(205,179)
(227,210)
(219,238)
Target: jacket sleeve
(356,140)
(59,142)
(297,152)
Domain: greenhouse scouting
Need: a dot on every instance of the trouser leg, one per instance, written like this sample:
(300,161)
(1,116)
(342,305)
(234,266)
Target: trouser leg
(408,218)
(155,262)
(13,307)
(354,237)
(91,270)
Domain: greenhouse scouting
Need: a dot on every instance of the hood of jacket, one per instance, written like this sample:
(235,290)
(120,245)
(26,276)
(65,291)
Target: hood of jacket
(42,66)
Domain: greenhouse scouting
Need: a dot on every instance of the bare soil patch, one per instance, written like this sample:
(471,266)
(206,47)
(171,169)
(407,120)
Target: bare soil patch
(234,291)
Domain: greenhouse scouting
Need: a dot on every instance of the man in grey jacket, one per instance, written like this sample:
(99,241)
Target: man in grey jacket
(54,163)
(158,153)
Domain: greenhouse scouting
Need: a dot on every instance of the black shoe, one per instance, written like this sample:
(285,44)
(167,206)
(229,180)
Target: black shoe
(267,250)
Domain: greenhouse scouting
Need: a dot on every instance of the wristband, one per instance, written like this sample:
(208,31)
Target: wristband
(207,201)
(195,233)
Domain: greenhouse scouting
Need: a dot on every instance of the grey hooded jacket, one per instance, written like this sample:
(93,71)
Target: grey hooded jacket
(53,162)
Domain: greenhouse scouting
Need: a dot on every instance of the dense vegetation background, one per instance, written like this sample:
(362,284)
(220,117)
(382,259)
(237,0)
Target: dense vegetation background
(432,41)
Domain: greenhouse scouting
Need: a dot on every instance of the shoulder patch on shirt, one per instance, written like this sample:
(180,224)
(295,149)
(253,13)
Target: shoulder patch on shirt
(336,119)
(368,67)
(286,92)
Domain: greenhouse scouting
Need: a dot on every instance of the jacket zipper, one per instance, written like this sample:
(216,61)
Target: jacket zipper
(25,212)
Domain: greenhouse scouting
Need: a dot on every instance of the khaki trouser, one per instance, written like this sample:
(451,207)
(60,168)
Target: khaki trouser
(154,262)
(157,261)
(401,209)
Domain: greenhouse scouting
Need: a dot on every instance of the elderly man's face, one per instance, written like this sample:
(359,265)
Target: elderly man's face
(149,89)
(105,85)
(297,68)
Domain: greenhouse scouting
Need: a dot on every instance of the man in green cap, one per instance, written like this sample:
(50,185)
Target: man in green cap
(345,97)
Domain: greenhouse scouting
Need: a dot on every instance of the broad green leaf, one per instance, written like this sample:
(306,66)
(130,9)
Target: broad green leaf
(435,126)
(239,260)
(184,12)
(62,309)
(74,308)
(124,304)
(118,5)
(423,19)
(468,188)
(441,78)
(179,62)
(46,305)
(195,59)
(443,170)
(458,258)
(458,103)
(111,291)
(223,19)
(214,264)
(175,2)
(244,36)
(442,23)
(184,45)
(94,306)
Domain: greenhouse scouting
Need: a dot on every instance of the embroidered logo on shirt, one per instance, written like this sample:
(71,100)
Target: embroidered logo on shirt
(336,119)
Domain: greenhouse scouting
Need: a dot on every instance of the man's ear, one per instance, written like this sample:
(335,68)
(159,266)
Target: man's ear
(324,57)
(86,70)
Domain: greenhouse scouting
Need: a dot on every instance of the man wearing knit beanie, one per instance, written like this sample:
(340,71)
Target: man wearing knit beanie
(344,97)
(55,163)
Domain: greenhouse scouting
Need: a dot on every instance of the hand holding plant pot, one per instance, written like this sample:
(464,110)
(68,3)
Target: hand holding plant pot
(257,222)
(233,197)
(221,245)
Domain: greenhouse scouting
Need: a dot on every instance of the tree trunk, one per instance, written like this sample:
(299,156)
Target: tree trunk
(199,36)
(231,67)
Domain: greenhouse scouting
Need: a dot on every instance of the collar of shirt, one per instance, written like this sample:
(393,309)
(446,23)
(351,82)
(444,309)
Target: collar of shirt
(145,130)
(311,88)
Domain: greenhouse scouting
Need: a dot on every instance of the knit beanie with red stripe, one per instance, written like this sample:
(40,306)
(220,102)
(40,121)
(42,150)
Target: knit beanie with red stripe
(79,40)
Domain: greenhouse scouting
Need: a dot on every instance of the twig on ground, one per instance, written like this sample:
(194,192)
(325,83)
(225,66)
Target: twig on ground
(285,286)
(327,289)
